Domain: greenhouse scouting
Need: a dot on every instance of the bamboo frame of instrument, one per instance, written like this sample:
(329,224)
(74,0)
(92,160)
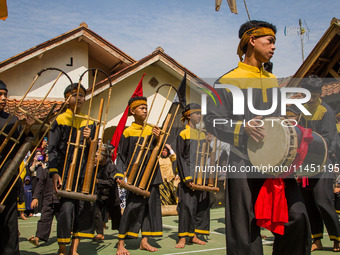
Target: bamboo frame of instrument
(154,156)
(87,123)
(207,153)
(85,193)
(166,138)
(204,158)
(199,180)
(149,170)
(92,154)
(15,163)
(36,109)
(212,162)
(152,136)
(103,123)
(29,89)
(198,147)
(137,143)
(151,139)
(29,158)
(28,144)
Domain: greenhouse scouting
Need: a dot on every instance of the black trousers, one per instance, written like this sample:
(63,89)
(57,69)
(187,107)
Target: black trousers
(142,214)
(319,199)
(243,235)
(193,212)
(9,239)
(48,211)
(101,215)
(77,217)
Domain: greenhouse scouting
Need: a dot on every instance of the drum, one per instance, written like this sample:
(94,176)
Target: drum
(279,148)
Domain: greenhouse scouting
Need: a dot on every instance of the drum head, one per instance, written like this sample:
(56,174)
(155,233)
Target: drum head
(274,147)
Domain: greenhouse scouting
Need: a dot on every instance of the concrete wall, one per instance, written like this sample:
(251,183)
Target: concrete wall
(19,77)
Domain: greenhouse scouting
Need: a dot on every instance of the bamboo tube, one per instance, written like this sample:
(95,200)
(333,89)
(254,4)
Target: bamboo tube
(153,156)
(92,154)
(200,173)
(212,162)
(11,132)
(72,167)
(135,165)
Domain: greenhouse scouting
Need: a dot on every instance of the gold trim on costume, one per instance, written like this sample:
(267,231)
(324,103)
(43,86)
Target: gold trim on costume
(237,133)
(86,235)
(63,240)
(187,178)
(317,235)
(206,232)
(152,233)
(186,234)
(128,234)
(334,238)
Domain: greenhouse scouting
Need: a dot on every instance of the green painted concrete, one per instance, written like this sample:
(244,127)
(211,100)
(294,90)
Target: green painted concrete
(166,244)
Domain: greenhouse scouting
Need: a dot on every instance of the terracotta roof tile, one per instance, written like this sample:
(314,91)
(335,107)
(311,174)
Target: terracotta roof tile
(330,89)
(31,106)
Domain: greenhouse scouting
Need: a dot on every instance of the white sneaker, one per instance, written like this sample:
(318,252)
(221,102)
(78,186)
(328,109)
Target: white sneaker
(37,214)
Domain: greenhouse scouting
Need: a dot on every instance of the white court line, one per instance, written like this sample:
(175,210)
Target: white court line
(212,232)
(267,242)
(186,252)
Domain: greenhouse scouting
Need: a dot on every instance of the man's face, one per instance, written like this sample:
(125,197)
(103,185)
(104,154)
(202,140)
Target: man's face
(72,103)
(264,48)
(314,99)
(3,99)
(195,118)
(140,112)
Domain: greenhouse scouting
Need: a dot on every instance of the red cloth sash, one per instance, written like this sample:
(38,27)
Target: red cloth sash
(271,210)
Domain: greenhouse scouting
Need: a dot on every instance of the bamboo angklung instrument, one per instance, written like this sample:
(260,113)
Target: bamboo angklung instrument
(92,154)
(154,155)
(86,194)
(11,170)
(199,180)
(200,183)
(17,160)
(212,162)
(149,170)
(135,165)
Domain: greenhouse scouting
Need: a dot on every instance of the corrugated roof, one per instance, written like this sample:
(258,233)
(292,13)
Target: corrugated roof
(31,106)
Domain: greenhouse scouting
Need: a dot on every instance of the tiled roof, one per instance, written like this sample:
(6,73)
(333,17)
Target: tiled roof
(31,106)
(330,89)
(158,52)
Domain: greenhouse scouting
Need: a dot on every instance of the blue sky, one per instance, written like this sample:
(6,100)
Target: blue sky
(190,31)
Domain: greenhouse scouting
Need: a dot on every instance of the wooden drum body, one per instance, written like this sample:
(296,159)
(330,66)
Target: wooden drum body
(279,148)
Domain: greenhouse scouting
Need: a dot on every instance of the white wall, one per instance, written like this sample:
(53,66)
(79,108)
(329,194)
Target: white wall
(19,77)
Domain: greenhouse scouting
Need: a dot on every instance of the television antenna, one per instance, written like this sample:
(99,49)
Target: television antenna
(302,31)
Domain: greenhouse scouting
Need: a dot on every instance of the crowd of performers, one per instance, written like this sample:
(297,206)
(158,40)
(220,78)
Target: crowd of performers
(310,205)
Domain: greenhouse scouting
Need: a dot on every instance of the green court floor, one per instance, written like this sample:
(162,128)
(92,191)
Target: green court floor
(166,244)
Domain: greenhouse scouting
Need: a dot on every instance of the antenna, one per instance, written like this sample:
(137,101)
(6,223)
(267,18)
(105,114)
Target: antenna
(301,31)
